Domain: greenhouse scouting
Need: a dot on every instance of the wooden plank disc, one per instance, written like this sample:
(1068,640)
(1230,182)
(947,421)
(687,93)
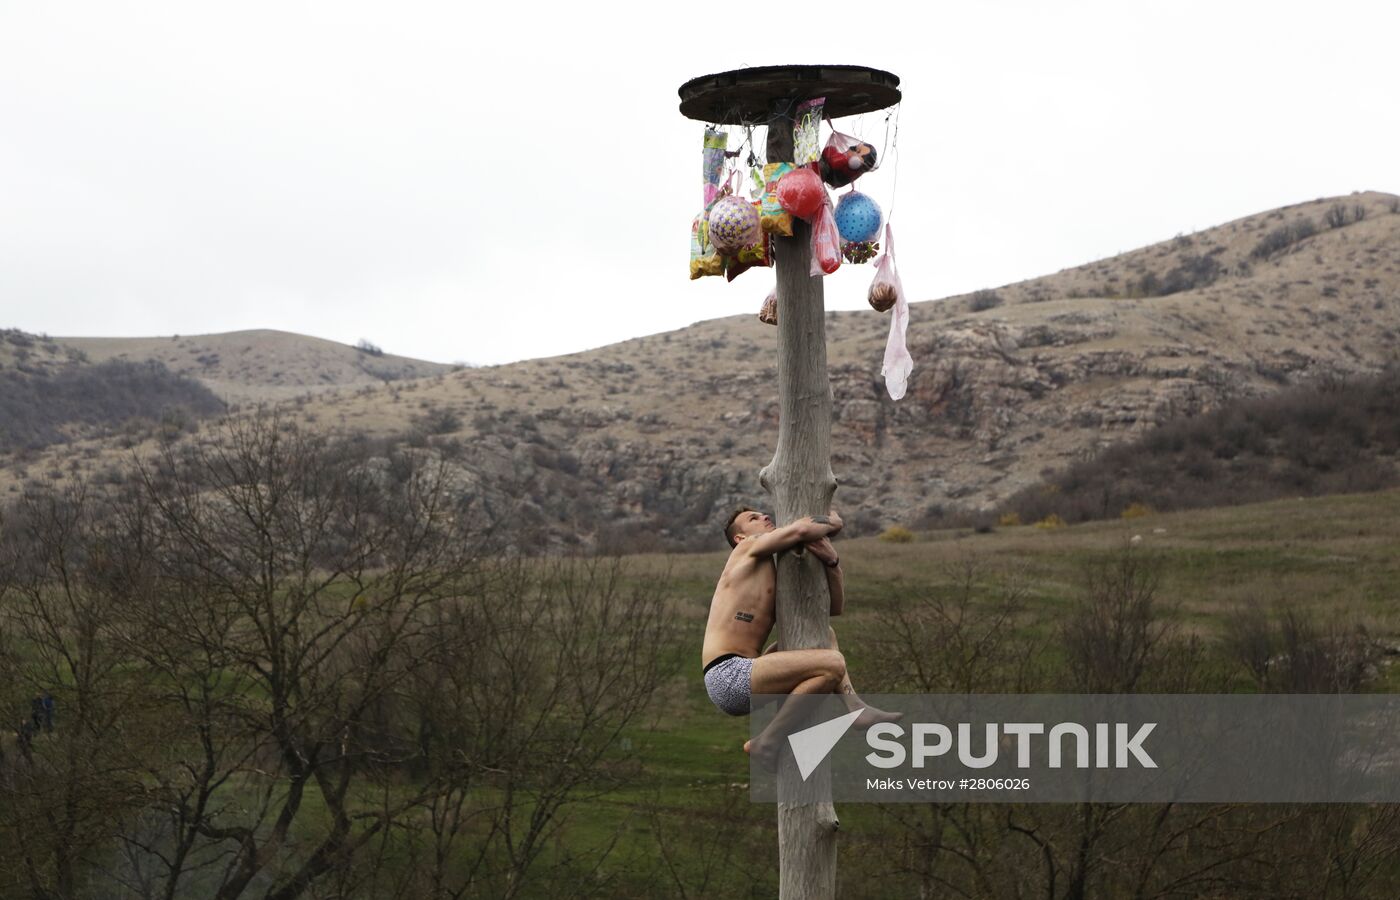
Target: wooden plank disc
(751,96)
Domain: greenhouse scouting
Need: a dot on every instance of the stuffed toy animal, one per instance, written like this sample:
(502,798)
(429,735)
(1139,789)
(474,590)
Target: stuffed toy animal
(844,159)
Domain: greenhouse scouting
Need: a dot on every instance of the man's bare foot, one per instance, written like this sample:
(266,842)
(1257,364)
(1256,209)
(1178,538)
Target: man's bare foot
(871,716)
(765,753)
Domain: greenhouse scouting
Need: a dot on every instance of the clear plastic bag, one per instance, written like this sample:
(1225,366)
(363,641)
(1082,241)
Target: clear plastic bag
(716,143)
(768,314)
(806,126)
(898,363)
(826,242)
(704,259)
(885,289)
(846,158)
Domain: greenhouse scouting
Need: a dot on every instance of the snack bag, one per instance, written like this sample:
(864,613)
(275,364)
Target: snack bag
(772,218)
(716,142)
(768,314)
(759,253)
(704,260)
(826,242)
(806,131)
(898,363)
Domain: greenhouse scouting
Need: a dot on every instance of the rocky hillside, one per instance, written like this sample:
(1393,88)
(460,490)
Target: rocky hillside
(644,444)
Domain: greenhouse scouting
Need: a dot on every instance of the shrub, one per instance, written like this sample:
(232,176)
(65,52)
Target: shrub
(1117,634)
(1136,511)
(1283,650)
(438,420)
(1146,286)
(1339,215)
(368,348)
(897,534)
(1193,272)
(985,300)
(1310,439)
(1051,521)
(1283,237)
(83,400)
(1009,520)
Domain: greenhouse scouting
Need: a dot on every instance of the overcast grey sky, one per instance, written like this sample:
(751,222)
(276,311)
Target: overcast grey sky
(502,182)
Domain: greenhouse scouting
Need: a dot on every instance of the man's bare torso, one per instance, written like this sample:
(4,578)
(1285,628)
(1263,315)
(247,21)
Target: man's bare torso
(741,613)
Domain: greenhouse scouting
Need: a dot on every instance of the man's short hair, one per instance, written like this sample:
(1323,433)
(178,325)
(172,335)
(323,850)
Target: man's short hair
(729,531)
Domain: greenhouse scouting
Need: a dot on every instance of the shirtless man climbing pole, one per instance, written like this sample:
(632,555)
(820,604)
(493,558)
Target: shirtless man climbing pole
(742,616)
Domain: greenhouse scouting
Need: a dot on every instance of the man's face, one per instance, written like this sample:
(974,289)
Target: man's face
(752,523)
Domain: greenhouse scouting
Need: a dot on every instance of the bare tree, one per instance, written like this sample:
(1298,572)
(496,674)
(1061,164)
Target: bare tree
(61,583)
(289,658)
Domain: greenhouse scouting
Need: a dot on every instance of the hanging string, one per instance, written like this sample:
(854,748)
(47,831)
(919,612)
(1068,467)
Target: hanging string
(856,125)
(892,147)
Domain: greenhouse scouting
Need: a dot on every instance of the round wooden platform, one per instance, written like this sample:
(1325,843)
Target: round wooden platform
(751,96)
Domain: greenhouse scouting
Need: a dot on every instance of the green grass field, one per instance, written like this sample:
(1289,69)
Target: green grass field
(678,821)
(1337,557)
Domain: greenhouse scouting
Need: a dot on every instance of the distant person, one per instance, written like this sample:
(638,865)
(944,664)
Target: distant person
(742,616)
(36,712)
(48,711)
(25,733)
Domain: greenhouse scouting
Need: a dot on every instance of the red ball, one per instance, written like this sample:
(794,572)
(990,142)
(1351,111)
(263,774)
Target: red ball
(801,192)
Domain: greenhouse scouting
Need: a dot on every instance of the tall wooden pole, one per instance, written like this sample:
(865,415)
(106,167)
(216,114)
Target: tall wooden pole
(799,479)
(801,483)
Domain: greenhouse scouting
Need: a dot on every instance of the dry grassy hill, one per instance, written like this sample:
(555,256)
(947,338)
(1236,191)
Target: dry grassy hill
(260,365)
(651,439)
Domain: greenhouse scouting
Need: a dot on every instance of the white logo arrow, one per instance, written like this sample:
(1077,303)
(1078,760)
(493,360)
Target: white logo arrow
(811,745)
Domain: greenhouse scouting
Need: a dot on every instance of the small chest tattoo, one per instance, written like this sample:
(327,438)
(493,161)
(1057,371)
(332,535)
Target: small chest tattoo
(744,617)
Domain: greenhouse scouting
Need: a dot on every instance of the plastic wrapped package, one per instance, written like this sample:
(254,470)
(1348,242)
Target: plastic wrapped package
(704,259)
(826,242)
(806,131)
(885,290)
(768,313)
(845,158)
(716,143)
(859,252)
(898,363)
(760,253)
(773,219)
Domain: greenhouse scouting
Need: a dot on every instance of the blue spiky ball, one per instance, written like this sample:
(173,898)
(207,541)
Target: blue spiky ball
(857,217)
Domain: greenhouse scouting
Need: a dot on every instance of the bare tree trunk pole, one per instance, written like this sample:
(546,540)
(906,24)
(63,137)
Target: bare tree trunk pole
(800,481)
